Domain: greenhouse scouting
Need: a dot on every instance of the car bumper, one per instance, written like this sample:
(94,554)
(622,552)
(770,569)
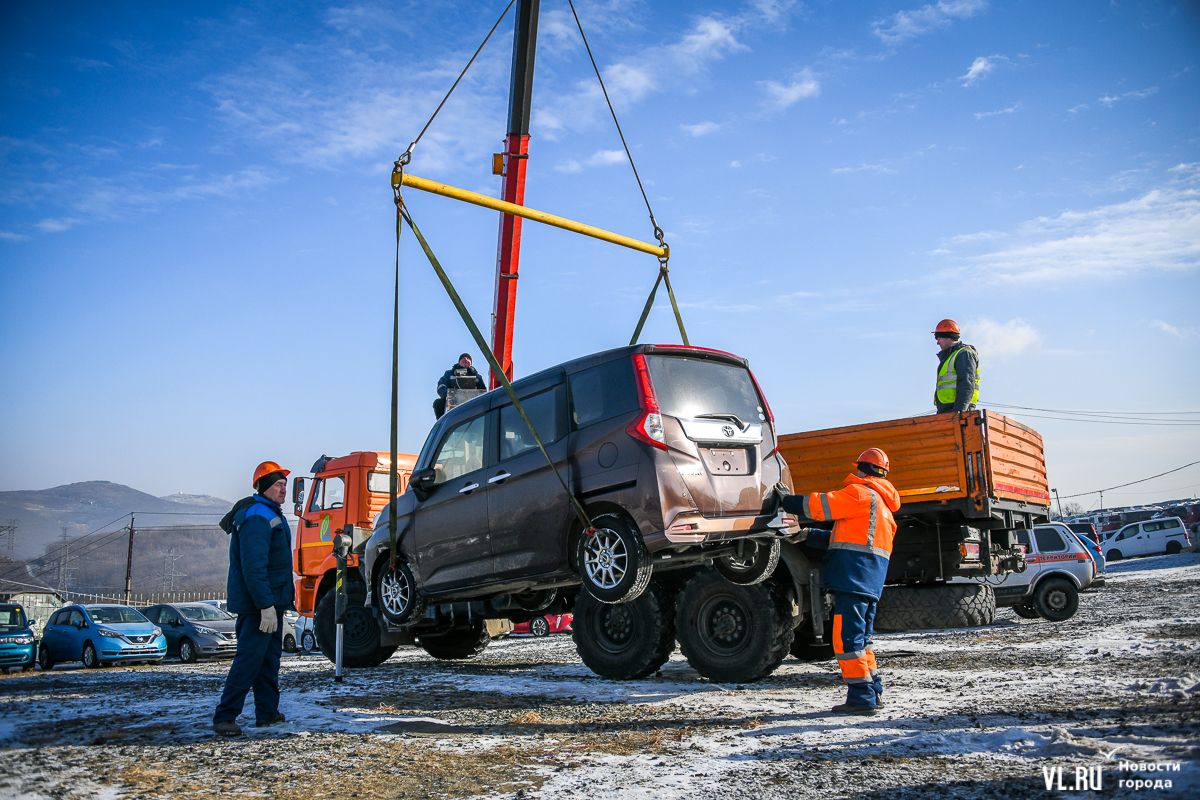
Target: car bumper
(226,648)
(695,528)
(114,650)
(13,655)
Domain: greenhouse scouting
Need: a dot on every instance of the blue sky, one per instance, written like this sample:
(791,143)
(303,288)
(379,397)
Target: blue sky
(196,226)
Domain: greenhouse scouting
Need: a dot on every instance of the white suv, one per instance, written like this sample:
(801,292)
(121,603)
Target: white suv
(1149,538)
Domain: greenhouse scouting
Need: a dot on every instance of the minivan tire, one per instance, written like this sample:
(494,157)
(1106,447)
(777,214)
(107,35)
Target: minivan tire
(613,562)
(756,568)
(396,594)
(1173,548)
(1056,600)
(89,657)
(959,605)
(457,644)
(625,641)
(1113,555)
(44,658)
(731,633)
(361,634)
(187,651)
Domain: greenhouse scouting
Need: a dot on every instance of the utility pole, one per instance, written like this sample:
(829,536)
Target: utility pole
(63,572)
(1056,497)
(511,164)
(129,562)
(9,532)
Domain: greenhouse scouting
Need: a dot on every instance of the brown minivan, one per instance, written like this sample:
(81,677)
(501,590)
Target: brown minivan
(670,448)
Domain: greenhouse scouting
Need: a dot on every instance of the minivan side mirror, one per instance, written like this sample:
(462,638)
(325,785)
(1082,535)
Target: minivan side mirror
(421,481)
(298,495)
(78,624)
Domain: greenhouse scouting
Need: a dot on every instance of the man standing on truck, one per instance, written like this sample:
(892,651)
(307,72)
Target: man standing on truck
(958,371)
(854,567)
(461,376)
(260,589)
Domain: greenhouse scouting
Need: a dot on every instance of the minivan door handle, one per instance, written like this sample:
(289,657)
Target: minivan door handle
(470,487)
(499,477)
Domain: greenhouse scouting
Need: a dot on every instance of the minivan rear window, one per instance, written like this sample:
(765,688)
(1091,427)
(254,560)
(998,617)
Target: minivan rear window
(603,392)
(690,387)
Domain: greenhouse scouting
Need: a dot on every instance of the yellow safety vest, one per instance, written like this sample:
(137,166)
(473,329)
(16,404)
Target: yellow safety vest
(947,380)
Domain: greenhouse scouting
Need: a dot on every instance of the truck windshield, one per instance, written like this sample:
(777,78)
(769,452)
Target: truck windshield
(691,387)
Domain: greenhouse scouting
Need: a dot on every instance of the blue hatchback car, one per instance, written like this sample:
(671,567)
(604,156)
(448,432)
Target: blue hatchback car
(18,647)
(100,635)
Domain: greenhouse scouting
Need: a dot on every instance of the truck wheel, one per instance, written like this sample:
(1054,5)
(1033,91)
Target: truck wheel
(960,605)
(626,641)
(755,566)
(1026,610)
(360,636)
(613,562)
(731,633)
(457,644)
(396,593)
(1056,600)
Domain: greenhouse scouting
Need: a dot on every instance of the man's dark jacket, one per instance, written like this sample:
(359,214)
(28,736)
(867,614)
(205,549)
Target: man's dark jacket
(964,384)
(460,377)
(260,557)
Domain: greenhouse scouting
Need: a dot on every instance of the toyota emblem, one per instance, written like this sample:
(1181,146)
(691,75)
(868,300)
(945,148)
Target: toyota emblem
(727,430)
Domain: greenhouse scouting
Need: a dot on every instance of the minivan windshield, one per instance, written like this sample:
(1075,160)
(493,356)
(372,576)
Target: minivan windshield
(109,615)
(692,387)
(199,613)
(11,617)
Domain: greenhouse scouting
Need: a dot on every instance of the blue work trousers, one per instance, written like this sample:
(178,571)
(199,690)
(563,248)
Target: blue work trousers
(853,621)
(255,666)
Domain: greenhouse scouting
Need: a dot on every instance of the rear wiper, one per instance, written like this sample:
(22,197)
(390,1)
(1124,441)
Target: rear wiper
(731,417)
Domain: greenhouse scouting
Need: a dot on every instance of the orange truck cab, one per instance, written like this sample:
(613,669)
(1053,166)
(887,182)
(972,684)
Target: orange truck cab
(350,490)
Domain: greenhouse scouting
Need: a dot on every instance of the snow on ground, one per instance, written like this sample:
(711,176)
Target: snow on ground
(983,712)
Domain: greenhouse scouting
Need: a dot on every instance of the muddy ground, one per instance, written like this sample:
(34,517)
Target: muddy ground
(985,712)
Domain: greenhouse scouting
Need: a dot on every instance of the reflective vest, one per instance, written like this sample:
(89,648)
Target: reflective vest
(947,379)
(861,513)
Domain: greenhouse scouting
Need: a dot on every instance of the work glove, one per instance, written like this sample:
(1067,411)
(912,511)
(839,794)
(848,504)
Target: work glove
(270,621)
(782,491)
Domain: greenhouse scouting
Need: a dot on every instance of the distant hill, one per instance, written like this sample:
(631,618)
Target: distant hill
(83,507)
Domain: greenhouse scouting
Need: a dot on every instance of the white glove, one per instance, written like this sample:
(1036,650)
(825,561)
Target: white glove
(270,621)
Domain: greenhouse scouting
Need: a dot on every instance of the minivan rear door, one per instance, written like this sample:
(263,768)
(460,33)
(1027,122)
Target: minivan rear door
(722,428)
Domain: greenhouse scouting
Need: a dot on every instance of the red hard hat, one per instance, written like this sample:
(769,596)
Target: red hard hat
(873,455)
(266,468)
(947,326)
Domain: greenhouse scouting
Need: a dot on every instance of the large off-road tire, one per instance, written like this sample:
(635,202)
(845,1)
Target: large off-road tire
(360,636)
(1056,599)
(731,633)
(758,563)
(959,605)
(628,640)
(396,594)
(1026,610)
(613,561)
(457,644)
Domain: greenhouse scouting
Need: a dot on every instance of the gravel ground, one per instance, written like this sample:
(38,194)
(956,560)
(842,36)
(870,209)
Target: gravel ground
(985,712)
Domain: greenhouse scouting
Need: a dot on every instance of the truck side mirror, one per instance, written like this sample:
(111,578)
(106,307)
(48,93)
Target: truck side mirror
(298,496)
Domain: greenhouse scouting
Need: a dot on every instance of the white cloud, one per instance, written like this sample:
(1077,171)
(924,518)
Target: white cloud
(1159,231)
(803,85)
(1077,108)
(1178,333)
(1000,339)
(878,169)
(9,236)
(980,68)
(1111,100)
(701,128)
(1009,110)
(735,163)
(570,166)
(905,25)
(603,158)
(57,225)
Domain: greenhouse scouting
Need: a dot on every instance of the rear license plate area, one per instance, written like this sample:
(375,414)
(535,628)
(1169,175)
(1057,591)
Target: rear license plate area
(728,461)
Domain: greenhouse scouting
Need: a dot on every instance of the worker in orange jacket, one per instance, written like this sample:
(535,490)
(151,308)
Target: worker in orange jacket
(854,568)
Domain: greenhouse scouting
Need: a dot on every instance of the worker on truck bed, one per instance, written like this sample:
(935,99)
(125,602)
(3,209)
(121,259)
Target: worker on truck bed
(260,589)
(854,567)
(958,371)
(461,376)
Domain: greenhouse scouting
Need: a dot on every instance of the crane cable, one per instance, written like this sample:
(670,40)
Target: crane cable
(663,272)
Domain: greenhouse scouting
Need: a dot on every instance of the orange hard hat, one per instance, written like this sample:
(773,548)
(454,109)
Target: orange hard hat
(873,455)
(947,326)
(266,468)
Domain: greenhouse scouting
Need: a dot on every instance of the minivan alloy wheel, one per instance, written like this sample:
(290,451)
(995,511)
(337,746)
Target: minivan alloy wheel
(396,593)
(605,558)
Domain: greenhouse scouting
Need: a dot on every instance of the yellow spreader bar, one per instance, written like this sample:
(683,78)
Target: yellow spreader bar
(528,213)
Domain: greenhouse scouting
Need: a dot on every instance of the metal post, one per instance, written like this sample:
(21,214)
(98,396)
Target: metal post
(341,549)
(1059,499)
(129,562)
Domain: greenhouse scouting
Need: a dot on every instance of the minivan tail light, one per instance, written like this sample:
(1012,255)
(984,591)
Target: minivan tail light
(766,405)
(648,427)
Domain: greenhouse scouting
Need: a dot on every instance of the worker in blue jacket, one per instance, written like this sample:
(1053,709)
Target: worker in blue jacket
(260,589)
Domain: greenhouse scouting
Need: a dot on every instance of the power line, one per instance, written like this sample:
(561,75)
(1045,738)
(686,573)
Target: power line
(50,555)
(1156,418)
(1131,483)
